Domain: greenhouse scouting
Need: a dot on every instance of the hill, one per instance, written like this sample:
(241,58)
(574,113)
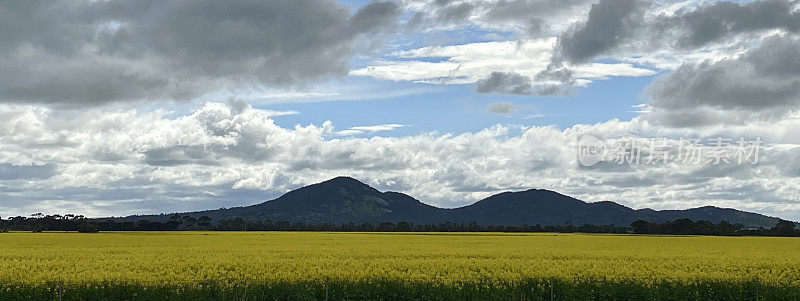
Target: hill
(344,199)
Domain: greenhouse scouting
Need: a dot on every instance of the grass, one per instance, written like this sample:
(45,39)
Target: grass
(366,266)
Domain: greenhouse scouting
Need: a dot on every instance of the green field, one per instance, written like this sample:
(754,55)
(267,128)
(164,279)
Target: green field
(309,265)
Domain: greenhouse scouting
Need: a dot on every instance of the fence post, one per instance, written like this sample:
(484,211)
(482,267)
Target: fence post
(552,295)
(326,288)
(756,288)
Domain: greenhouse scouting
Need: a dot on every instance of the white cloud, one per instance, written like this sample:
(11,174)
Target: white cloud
(125,162)
(357,130)
(468,63)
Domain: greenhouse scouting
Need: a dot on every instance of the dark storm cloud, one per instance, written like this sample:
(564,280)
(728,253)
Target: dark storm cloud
(609,22)
(455,13)
(514,83)
(612,23)
(375,16)
(762,83)
(529,15)
(722,19)
(524,10)
(505,82)
(80,52)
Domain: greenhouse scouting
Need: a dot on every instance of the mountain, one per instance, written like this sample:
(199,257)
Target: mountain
(544,207)
(338,200)
(712,214)
(341,200)
(344,199)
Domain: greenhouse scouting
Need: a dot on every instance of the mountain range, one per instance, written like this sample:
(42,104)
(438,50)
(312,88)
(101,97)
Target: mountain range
(344,200)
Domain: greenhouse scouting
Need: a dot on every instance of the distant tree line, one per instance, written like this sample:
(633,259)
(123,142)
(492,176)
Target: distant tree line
(39,222)
(69,222)
(268,225)
(702,227)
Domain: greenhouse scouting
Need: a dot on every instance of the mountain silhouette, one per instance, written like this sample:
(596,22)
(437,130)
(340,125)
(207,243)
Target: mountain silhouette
(338,200)
(344,200)
(544,207)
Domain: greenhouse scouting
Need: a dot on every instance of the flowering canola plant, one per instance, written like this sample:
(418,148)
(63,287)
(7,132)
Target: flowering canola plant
(442,258)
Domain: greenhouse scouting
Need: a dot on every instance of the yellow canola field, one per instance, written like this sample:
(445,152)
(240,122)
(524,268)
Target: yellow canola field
(177,257)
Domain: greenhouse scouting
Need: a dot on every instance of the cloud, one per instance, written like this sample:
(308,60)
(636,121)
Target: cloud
(357,130)
(34,172)
(108,162)
(454,13)
(533,18)
(592,37)
(116,161)
(503,107)
(636,30)
(724,19)
(631,25)
(585,29)
(511,83)
(609,22)
(462,63)
(473,62)
(91,52)
(761,84)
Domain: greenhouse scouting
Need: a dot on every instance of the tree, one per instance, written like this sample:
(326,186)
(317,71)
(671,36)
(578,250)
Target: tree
(725,228)
(190,223)
(386,226)
(403,227)
(784,227)
(204,222)
(87,227)
(641,227)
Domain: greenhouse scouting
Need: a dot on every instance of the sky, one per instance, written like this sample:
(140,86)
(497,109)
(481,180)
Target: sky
(119,107)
